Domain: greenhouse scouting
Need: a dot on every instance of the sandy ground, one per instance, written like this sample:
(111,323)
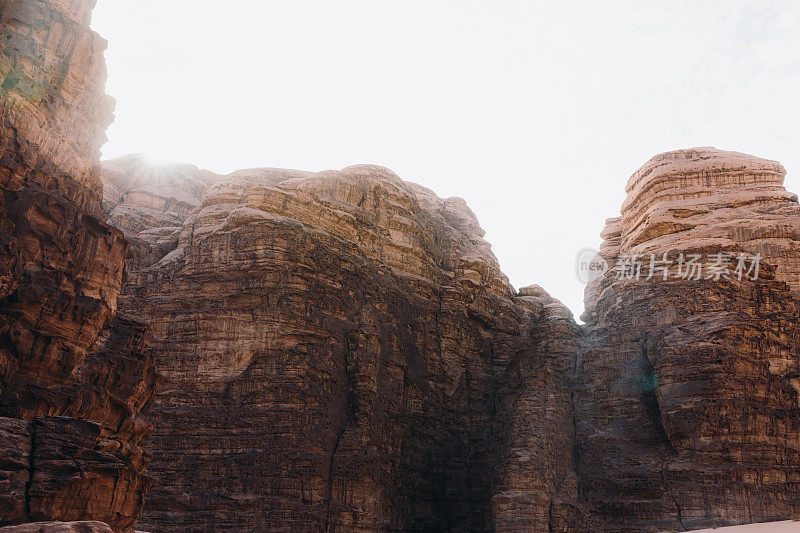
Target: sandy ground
(768,527)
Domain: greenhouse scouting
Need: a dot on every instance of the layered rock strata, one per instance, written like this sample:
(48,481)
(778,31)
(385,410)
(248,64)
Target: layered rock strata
(536,488)
(687,387)
(150,203)
(706,200)
(334,351)
(53,77)
(340,351)
(74,379)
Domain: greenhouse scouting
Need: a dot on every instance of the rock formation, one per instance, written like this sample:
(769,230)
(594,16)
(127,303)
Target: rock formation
(74,378)
(340,350)
(334,351)
(707,199)
(687,387)
(150,203)
(536,488)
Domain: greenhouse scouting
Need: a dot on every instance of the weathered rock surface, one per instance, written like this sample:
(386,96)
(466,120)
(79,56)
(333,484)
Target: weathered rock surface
(150,203)
(53,76)
(335,351)
(687,389)
(537,485)
(340,350)
(74,378)
(708,200)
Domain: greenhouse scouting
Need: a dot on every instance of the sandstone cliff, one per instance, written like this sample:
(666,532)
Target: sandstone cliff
(334,350)
(150,203)
(74,378)
(340,350)
(687,386)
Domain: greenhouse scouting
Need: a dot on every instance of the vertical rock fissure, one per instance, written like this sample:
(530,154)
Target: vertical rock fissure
(669,495)
(349,362)
(329,495)
(31,471)
(576,457)
(576,451)
(649,398)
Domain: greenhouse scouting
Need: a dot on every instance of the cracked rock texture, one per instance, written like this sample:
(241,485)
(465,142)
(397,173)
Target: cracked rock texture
(537,485)
(686,393)
(74,378)
(706,200)
(340,349)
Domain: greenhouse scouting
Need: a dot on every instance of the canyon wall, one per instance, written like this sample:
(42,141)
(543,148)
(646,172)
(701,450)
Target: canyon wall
(687,384)
(75,377)
(335,352)
(340,350)
(150,203)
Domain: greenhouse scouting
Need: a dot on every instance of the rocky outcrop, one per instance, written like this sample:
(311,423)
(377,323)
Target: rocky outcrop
(333,349)
(150,203)
(687,384)
(74,379)
(705,199)
(536,488)
(53,99)
(341,350)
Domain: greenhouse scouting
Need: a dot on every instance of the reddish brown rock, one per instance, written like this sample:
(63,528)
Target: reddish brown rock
(708,199)
(537,483)
(340,350)
(150,203)
(53,99)
(74,379)
(335,351)
(686,389)
(15,452)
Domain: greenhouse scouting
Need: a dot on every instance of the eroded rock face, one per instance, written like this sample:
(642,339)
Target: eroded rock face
(687,389)
(340,349)
(53,98)
(537,484)
(707,200)
(150,203)
(74,378)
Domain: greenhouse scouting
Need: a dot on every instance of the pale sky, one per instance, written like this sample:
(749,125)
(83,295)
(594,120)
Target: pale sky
(536,113)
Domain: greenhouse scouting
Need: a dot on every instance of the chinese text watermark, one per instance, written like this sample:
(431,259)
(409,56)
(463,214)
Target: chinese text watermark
(690,266)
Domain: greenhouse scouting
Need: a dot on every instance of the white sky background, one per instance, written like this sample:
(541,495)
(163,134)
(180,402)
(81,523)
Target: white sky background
(536,113)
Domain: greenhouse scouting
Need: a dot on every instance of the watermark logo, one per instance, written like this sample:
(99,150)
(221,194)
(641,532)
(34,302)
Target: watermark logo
(713,266)
(589,265)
